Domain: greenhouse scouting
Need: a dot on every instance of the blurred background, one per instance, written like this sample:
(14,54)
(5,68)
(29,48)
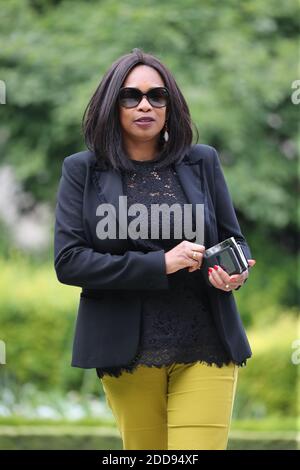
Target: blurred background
(237,64)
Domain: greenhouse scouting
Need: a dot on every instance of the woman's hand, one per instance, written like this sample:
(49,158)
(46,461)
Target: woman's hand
(184,255)
(220,279)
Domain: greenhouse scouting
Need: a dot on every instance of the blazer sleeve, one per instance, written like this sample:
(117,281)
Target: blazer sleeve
(78,264)
(227,222)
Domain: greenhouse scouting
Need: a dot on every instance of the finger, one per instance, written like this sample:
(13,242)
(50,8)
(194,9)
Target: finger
(191,263)
(199,265)
(217,279)
(196,247)
(192,269)
(237,279)
(224,277)
(211,277)
(196,256)
(251,262)
(234,285)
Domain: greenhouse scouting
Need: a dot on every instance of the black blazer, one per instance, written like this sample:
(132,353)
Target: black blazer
(111,275)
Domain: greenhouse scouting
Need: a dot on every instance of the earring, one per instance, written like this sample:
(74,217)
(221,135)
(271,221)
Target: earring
(166,134)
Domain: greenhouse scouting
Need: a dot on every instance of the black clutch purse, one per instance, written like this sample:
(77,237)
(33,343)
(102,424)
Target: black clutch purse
(228,254)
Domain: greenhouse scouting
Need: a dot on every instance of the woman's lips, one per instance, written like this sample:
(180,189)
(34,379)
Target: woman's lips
(144,123)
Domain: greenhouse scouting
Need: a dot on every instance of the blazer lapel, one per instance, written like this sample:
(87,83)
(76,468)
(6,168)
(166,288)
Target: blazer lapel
(109,187)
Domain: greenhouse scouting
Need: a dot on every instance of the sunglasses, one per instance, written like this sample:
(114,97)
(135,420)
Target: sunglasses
(130,97)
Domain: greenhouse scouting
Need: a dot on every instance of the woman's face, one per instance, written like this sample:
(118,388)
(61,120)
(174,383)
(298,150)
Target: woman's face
(142,77)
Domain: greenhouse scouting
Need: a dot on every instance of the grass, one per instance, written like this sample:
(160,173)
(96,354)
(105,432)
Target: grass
(269,424)
(87,422)
(72,437)
(275,432)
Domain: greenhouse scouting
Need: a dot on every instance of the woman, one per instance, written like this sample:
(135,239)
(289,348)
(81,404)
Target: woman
(164,336)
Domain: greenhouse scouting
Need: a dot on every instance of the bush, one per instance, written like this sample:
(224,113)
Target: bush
(37,325)
(268,384)
(271,287)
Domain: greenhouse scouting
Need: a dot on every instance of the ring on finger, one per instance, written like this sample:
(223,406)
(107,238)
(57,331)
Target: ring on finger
(195,255)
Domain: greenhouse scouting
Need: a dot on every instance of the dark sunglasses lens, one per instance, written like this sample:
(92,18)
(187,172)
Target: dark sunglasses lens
(129,98)
(158,98)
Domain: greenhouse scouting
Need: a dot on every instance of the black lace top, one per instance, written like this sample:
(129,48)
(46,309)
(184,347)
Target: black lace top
(177,324)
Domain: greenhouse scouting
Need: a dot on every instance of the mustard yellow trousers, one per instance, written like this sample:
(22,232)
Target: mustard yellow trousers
(181,406)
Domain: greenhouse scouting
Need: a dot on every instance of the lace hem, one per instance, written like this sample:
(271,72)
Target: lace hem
(118,371)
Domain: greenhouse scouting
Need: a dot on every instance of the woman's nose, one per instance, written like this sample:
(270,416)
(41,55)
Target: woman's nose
(144,103)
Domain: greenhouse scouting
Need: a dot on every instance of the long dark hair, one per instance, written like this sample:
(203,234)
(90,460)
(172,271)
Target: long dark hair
(101,124)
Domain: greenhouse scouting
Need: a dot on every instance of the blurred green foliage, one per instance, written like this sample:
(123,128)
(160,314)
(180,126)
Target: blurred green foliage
(269,384)
(36,324)
(234,61)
